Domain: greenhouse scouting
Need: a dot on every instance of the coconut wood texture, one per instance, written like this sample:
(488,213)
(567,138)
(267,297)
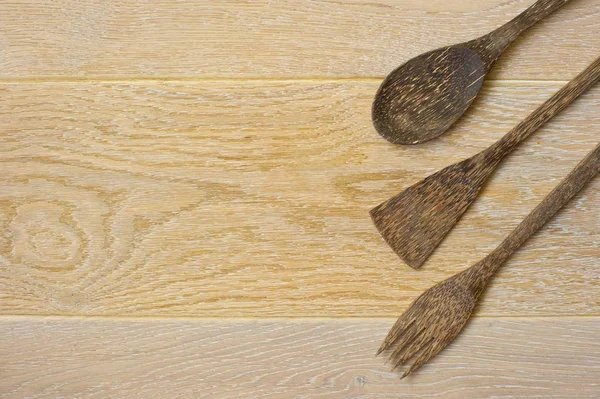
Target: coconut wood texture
(165,161)
(491,46)
(284,39)
(438,315)
(415,221)
(421,99)
(285,359)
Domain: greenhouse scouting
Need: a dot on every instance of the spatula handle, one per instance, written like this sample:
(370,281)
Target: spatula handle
(494,43)
(545,112)
(563,193)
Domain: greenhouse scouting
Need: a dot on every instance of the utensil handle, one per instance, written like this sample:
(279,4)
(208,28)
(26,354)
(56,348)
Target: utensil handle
(563,193)
(545,112)
(494,43)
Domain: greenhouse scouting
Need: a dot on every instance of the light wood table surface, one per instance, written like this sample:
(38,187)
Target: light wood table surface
(184,197)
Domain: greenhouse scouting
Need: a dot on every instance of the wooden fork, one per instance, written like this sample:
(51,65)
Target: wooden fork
(436,317)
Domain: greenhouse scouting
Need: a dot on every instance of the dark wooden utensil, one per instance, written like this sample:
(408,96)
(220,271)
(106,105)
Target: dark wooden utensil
(422,98)
(436,317)
(415,221)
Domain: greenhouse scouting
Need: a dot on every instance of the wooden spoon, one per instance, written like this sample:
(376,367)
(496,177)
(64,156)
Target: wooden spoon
(422,98)
(415,221)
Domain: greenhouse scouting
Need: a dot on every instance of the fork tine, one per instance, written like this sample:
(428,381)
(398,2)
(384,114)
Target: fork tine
(403,334)
(402,326)
(434,348)
(423,342)
(406,341)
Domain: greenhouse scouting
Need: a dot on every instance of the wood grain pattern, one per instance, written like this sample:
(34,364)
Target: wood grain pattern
(251,199)
(440,313)
(285,39)
(212,158)
(277,359)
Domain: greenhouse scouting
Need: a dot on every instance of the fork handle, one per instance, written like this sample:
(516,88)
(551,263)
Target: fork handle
(571,185)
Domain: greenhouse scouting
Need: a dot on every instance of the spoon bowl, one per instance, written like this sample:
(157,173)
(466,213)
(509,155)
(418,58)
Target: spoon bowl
(423,97)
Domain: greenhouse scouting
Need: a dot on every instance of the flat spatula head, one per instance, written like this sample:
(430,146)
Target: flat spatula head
(416,221)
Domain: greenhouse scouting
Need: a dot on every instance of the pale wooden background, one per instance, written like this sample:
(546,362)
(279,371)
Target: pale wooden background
(184,196)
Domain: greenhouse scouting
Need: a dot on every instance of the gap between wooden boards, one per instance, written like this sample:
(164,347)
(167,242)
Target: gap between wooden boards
(252,319)
(174,79)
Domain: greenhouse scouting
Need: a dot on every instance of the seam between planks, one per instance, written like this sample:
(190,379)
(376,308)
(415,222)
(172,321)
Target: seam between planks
(220,79)
(299,319)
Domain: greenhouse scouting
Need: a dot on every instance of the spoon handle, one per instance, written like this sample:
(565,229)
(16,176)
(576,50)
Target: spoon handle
(544,112)
(492,45)
(585,171)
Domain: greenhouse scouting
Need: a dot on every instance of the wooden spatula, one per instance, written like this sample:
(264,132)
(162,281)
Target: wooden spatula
(415,221)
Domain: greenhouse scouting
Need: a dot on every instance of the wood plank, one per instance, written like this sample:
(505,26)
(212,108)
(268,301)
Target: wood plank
(493,358)
(233,39)
(252,198)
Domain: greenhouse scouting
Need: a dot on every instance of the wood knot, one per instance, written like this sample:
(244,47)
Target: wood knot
(43,237)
